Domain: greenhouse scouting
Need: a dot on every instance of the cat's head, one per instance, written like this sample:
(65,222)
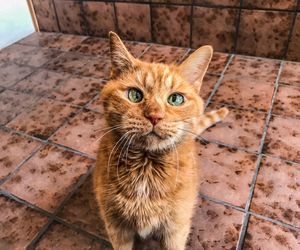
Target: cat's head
(153,103)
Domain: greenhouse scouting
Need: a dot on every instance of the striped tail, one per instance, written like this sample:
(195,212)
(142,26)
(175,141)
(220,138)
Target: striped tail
(208,119)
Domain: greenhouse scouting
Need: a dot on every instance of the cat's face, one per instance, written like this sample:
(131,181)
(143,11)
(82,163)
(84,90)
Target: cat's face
(151,105)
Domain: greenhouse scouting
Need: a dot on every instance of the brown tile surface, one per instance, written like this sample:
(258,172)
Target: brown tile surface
(136,48)
(275,195)
(62,237)
(41,82)
(45,14)
(81,133)
(13,103)
(240,128)
(93,46)
(11,73)
(266,235)
(96,104)
(170,24)
(264,33)
(226,174)
(208,84)
(134,21)
(87,216)
(287,101)
(214,227)
(66,42)
(218,2)
(48,177)
(14,149)
(70,17)
(294,46)
(163,54)
(43,120)
(270,4)
(96,67)
(99,17)
(290,73)
(19,224)
(40,39)
(283,138)
(221,21)
(169,1)
(77,90)
(218,63)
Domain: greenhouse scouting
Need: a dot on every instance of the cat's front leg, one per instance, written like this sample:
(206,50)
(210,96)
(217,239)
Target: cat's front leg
(121,239)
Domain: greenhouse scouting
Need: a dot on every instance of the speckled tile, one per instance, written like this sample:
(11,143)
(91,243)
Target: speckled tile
(290,74)
(240,128)
(294,46)
(67,62)
(218,2)
(170,24)
(70,17)
(96,104)
(39,39)
(93,46)
(41,82)
(81,133)
(96,67)
(14,149)
(99,17)
(77,90)
(262,234)
(164,54)
(11,73)
(87,216)
(48,177)
(66,42)
(271,4)
(275,194)
(136,48)
(171,1)
(287,101)
(247,95)
(221,21)
(264,33)
(43,120)
(19,224)
(134,21)
(62,237)
(226,174)
(45,14)
(208,84)
(13,103)
(283,138)
(214,227)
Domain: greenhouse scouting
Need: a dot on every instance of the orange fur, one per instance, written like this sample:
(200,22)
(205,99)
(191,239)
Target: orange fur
(146,179)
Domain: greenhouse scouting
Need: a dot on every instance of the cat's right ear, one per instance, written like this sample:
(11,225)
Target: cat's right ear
(121,60)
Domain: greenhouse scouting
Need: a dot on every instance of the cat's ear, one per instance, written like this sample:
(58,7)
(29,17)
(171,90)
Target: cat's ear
(121,59)
(195,66)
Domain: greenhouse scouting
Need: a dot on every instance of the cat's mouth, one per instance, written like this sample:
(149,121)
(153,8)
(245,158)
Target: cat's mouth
(154,134)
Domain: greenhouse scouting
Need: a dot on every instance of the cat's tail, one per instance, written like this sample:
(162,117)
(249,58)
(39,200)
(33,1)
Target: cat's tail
(210,118)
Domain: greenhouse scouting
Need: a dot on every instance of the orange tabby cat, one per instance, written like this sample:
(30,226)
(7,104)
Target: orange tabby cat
(146,178)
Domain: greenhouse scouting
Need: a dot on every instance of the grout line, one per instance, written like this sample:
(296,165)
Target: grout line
(56,16)
(151,20)
(184,56)
(243,231)
(238,20)
(116,21)
(191,24)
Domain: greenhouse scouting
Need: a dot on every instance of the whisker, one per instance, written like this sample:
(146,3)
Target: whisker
(128,149)
(120,126)
(127,140)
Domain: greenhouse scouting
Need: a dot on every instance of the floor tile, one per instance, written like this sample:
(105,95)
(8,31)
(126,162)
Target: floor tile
(267,235)
(270,4)
(136,48)
(93,46)
(40,39)
(19,224)
(44,119)
(77,90)
(14,149)
(208,85)
(225,174)
(16,53)
(163,54)
(287,101)
(13,103)
(290,73)
(247,95)
(11,73)
(293,53)
(283,138)
(218,63)
(81,133)
(96,105)
(62,237)
(275,193)
(41,82)
(65,42)
(48,177)
(86,217)
(214,227)
(240,128)
(96,67)
(218,2)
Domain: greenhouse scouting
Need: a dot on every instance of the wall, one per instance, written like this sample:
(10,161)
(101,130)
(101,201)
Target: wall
(267,28)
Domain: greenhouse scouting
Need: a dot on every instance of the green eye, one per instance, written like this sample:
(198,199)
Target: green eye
(135,95)
(176,99)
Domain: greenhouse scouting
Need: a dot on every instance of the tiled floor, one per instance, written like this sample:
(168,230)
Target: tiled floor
(49,130)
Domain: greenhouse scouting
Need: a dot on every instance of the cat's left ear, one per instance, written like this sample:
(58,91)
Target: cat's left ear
(121,60)
(195,66)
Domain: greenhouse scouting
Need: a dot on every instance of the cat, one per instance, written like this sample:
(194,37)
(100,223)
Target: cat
(146,179)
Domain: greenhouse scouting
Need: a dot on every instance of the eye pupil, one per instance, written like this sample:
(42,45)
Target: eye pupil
(176,99)
(135,95)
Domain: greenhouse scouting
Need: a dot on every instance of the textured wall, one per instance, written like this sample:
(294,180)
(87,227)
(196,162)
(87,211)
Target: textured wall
(267,28)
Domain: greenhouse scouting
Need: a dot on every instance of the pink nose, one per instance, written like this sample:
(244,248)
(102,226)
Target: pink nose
(154,118)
